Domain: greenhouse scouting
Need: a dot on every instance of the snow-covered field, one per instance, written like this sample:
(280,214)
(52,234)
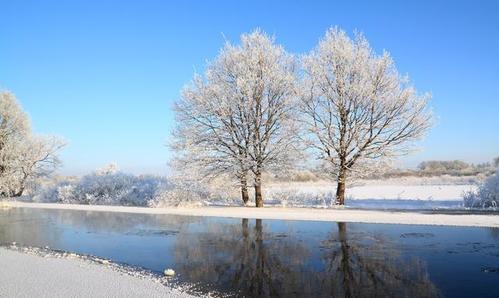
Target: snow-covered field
(313,214)
(378,191)
(32,275)
(399,193)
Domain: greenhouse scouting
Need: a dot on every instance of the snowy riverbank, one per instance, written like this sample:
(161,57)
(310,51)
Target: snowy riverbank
(33,275)
(312,214)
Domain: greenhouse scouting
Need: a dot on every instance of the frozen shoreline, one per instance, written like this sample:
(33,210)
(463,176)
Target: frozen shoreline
(31,275)
(311,214)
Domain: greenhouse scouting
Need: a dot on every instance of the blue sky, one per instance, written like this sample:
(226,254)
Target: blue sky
(104,74)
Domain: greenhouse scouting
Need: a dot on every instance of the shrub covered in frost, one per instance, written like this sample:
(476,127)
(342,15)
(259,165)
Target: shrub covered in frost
(487,195)
(180,194)
(297,198)
(110,188)
(187,192)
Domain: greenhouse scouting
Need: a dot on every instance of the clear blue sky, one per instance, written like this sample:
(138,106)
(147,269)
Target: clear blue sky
(104,74)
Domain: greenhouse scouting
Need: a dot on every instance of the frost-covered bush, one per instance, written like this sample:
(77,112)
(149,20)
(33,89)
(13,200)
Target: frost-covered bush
(109,186)
(106,188)
(296,198)
(118,189)
(487,195)
(180,194)
(186,192)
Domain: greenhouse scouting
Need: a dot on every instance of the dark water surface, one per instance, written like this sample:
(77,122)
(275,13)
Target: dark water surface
(242,257)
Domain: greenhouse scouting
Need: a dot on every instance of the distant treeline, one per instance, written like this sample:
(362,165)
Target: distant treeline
(456,168)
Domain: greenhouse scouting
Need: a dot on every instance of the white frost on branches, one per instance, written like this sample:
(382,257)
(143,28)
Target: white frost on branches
(357,108)
(239,119)
(24,157)
(106,186)
(109,186)
(108,169)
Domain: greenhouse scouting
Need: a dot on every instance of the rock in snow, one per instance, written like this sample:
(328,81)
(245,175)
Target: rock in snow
(169,272)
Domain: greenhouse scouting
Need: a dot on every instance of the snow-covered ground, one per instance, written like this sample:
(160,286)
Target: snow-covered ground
(378,191)
(399,193)
(313,214)
(32,275)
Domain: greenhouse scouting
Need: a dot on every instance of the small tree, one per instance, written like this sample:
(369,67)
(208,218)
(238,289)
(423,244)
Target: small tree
(39,159)
(238,118)
(357,108)
(23,157)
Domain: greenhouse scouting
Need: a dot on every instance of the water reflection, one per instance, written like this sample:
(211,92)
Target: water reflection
(495,233)
(37,226)
(245,258)
(267,264)
(17,225)
(270,258)
(359,265)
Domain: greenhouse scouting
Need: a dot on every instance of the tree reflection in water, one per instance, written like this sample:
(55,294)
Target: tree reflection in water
(243,257)
(359,265)
(494,232)
(255,263)
(270,258)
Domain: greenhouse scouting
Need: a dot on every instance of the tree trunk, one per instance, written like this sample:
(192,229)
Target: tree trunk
(18,193)
(258,190)
(245,226)
(346,269)
(244,191)
(260,259)
(22,186)
(340,190)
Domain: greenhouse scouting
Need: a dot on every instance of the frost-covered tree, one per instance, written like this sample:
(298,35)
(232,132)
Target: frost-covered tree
(109,169)
(23,156)
(238,118)
(357,108)
(14,128)
(38,160)
(210,139)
